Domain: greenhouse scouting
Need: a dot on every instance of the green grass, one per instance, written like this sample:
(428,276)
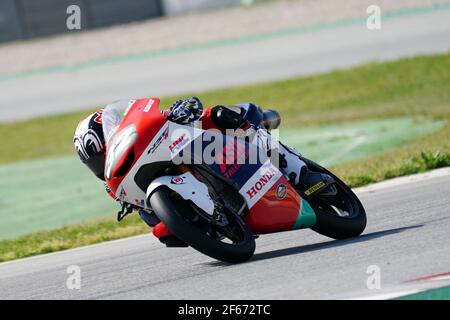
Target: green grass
(416,87)
(426,161)
(71,237)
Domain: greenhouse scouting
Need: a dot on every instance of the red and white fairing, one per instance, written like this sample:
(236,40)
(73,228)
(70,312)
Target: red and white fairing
(144,139)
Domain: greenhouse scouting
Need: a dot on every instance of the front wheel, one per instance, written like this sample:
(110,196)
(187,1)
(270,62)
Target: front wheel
(232,241)
(339,212)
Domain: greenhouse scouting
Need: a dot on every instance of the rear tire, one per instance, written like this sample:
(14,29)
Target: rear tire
(329,223)
(175,218)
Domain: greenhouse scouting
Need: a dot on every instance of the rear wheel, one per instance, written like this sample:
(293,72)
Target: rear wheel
(229,239)
(339,212)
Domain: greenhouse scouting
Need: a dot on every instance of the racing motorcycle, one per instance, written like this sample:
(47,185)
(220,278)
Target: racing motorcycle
(219,204)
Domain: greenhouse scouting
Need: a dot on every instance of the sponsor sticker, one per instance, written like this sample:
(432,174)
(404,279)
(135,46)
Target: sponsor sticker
(149,105)
(261,182)
(122,194)
(179,143)
(233,155)
(158,141)
(314,188)
(139,202)
(281,191)
(98,116)
(177,180)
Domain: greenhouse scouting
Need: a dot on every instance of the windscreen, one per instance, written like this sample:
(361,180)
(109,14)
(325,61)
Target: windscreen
(112,117)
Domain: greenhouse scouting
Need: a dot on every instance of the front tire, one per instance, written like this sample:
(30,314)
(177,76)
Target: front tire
(180,218)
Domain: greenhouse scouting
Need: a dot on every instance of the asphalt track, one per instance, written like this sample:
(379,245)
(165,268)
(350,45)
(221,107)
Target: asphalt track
(259,58)
(407,237)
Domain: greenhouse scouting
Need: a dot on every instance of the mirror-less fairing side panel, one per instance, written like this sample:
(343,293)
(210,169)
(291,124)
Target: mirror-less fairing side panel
(188,187)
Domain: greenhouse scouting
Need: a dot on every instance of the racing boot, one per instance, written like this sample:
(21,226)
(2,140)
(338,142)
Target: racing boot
(167,237)
(173,242)
(160,230)
(309,183)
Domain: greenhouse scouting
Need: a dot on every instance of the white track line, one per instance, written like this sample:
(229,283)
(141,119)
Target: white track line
(389,295)
(442,172)
(72,250)
(406,288)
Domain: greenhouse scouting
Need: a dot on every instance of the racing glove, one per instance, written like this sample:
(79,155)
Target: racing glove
(185,111)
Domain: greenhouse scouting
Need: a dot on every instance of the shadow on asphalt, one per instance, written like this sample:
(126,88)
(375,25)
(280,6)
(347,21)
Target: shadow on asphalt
(319,246)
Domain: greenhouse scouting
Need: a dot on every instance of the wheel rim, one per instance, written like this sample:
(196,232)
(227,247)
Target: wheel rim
(340,203)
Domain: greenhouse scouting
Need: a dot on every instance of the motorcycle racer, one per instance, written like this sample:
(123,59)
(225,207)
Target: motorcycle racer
(90,145)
